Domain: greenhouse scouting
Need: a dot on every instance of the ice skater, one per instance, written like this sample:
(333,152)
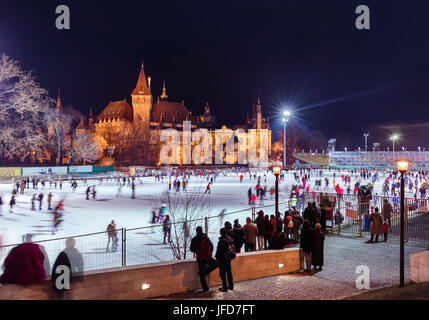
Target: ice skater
(57,219)
(40,200)
(88,190)
(208,188)
(12,203)
(49,200)
(33,202)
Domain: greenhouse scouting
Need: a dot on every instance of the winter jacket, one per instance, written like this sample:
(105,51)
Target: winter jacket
(222,250)
(196,244)
(250,231)
(387,210)
(260,223)
(317,253)
(307,240)
(238,237)
(24,265)
(377,223)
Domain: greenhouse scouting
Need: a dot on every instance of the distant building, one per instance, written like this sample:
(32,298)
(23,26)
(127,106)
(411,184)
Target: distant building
(133,131)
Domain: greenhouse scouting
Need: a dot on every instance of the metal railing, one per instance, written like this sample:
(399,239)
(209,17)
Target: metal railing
(136,246)
(355,216)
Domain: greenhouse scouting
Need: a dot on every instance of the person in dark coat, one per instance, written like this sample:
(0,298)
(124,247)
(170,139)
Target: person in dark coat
(278,241)
(224,262)
(322,218)
(376,225)
(297,222)
(309,213)
(306,245)
(237,236)
(61,261)
(268,231)
(228,228)
(205,264)
(260,223)
(317,253)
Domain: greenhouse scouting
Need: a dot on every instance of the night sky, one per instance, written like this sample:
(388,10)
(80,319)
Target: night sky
(304,52)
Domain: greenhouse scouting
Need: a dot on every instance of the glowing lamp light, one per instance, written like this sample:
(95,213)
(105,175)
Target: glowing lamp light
(281,265)
(402,165)
(145,286)
(394,137)
(277,170)
(287,113)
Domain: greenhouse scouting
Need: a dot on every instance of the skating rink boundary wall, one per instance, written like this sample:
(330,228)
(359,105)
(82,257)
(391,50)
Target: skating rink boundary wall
(42,171)
(161,279)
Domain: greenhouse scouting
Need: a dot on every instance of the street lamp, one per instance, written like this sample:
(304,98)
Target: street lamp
(276,171)
(402,166)
(394,138)
(366,135)
(287,115)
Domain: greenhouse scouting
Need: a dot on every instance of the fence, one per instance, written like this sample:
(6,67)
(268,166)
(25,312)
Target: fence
(355,215)
(136,246)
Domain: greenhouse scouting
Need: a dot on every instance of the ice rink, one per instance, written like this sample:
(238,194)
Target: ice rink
(82,217)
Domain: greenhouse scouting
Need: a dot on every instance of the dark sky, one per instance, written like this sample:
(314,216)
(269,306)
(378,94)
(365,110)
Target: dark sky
(303,52)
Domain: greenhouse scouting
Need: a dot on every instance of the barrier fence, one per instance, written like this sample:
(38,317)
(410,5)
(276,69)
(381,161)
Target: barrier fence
(354,215)
(137,246)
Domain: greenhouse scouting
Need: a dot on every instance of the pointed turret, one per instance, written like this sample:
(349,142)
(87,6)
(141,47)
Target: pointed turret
(59,107)
(141,87)
(164,92)
(81,125)
(259,106)
(142,100)
(91,117)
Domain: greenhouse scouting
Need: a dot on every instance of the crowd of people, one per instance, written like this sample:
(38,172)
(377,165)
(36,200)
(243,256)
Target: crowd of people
(303,227)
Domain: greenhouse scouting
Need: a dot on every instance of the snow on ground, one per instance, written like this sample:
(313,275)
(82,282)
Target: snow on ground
(143,245)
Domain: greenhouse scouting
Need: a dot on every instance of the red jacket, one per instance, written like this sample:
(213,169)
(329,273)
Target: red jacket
(273,222)
(24,265)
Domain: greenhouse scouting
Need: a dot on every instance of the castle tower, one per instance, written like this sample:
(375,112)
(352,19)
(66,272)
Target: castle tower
(259,114)
(142,100)
(164,92)
(59,107)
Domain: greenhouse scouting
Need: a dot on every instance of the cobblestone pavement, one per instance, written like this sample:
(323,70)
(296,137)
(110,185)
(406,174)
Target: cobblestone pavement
(336,281)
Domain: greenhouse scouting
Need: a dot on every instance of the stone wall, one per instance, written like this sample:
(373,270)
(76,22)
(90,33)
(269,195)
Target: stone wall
(164,278)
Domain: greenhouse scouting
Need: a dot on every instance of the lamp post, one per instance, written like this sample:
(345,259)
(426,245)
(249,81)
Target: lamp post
(287,115)
(276,171)
(402,166)
(366,135)
(394,138)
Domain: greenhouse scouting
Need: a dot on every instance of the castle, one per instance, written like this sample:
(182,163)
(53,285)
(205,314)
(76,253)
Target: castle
(132,132)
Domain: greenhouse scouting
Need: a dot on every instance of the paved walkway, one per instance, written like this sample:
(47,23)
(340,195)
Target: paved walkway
(336,281)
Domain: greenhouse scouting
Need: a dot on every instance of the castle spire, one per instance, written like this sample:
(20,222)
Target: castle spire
(164,92)
(59,108)
(141,87)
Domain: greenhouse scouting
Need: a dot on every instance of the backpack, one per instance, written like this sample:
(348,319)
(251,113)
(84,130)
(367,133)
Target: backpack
(231,253)
(205,251)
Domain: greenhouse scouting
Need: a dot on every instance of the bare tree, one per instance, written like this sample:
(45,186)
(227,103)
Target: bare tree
(59,125)
(23,105)
(187,210)
(86,148)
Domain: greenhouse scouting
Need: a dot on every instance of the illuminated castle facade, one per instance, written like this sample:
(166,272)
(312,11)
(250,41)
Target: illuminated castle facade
(132,132)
